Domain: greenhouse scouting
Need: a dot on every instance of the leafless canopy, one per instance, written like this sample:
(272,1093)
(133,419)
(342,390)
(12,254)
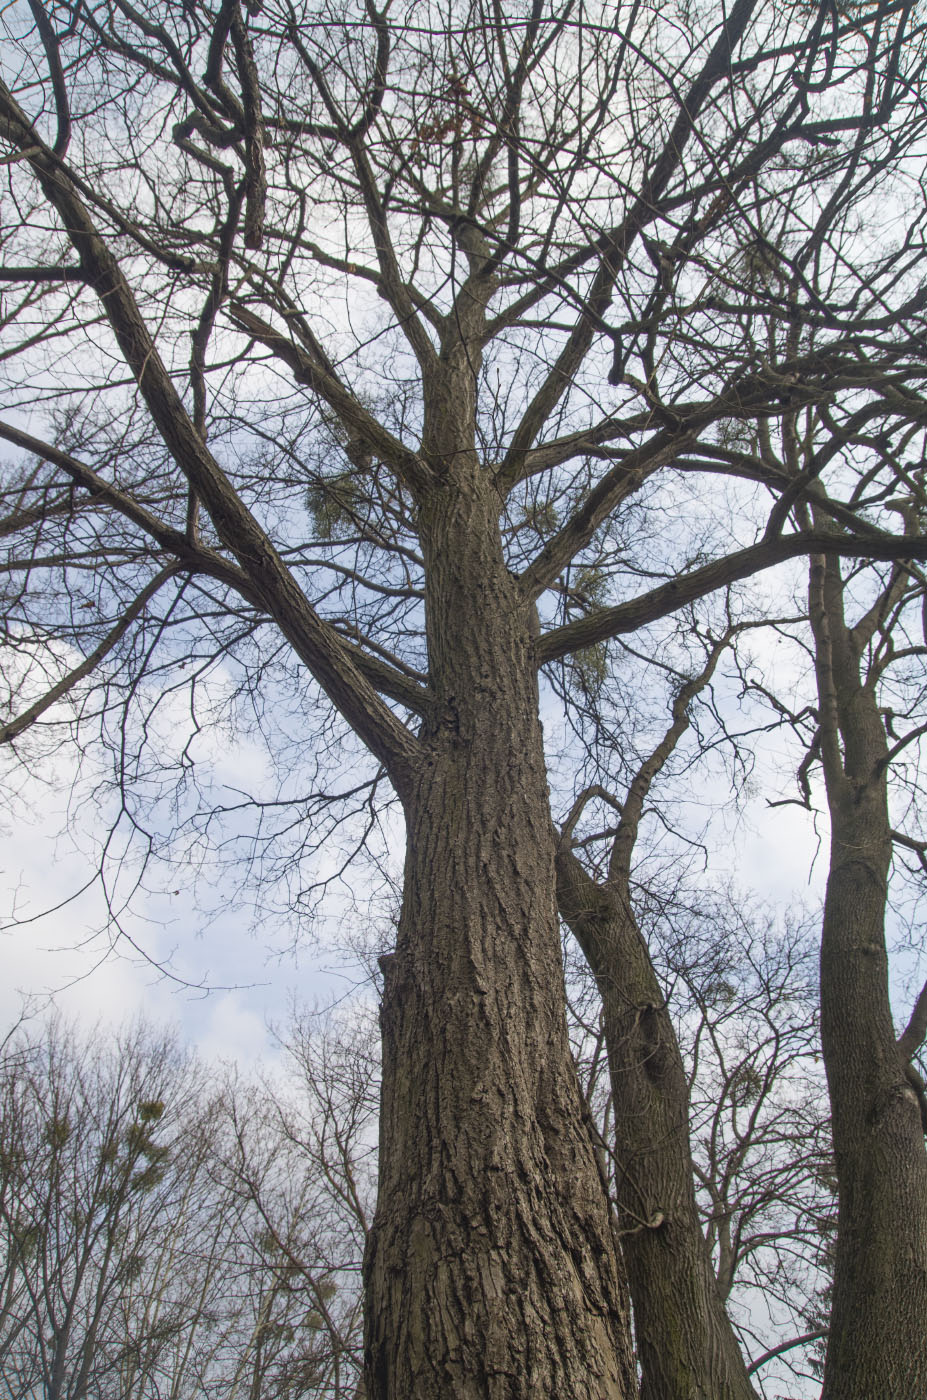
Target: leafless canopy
(240,240)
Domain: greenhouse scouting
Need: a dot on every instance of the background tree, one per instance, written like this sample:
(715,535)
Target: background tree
(739,993)
(204,1241)
(730,1017)
(102,1176)
(300,1161)
(554,228)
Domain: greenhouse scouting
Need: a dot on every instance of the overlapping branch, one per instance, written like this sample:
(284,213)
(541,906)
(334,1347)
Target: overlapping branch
(315,641)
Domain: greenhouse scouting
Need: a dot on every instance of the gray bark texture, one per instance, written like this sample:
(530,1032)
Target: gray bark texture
(878,1330)
(492,1269)
(685,1343)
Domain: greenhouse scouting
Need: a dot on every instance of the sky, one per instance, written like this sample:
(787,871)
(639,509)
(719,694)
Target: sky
(231,981)
(205,970)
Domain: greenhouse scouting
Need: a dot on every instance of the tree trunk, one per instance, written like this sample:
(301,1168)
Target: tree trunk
(685,1343)
(491,1270)
(877,1344)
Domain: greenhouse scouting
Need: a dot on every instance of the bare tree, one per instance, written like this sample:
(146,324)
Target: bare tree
(744,1221)
(745,1041)
(668,1265)
(170,1231)
(551,226)
(744,993)
(863,728)
(300,1160)
(106,1217)
(878,1098)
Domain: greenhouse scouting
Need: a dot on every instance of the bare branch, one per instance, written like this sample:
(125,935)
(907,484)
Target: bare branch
(316,372)
(255,174)
(688,587)
(783,1347)
(618,241)
(15,727)
(314,641)
(56,72)
(576,811)
(914,1033)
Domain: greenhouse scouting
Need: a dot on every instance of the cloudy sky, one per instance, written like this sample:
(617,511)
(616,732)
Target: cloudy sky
(232,979)
(198,960)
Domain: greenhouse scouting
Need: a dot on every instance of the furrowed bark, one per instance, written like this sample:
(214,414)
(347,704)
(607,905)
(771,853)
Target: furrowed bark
(491,1270)
(878,1342)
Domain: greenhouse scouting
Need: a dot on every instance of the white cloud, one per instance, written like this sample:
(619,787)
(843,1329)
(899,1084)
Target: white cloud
(56,942)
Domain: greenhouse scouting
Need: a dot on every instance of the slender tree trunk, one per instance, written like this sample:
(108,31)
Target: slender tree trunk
(686,1346)
(877,1344)
(491,1270)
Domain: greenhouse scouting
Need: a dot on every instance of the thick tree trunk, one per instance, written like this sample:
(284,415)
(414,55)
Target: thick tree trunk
(491,1271)
(685,1343)
(878,1329)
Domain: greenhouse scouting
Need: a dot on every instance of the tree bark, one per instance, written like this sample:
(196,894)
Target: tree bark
(878,1339)
(685,1343)
(491,1270)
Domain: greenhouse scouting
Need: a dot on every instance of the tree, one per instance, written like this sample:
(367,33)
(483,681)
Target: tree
(743,1258)
(746,1007)
(170,1231)
(554,226)
(107,1228)
(300,1160)
(877,1097)
(865,720)
(754,1024)
(669,1268)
